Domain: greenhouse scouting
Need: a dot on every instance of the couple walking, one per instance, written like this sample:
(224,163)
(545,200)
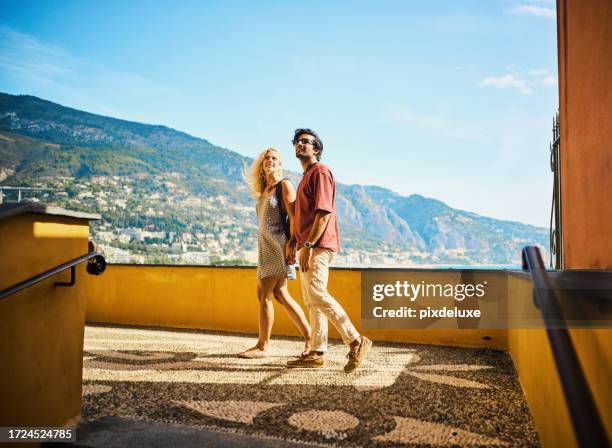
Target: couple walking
(311,233)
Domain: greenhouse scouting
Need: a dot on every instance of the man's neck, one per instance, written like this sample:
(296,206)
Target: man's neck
(307,163)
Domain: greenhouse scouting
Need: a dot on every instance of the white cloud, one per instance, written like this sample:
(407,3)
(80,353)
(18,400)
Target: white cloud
(25,57)
(509,80)
(549,81)
(525,81)
(525,9)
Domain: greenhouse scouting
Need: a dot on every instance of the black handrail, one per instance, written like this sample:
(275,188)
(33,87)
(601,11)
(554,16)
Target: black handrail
(95,266)
(587,423)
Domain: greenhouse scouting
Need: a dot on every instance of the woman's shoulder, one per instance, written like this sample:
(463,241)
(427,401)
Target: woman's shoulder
(287,184)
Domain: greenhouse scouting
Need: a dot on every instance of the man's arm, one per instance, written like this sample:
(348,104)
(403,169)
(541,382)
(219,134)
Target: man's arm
(319,225)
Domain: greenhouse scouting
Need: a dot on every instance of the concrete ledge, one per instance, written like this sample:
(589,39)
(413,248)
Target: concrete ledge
(14,209)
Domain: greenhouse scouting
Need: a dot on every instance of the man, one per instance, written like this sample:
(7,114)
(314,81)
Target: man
(317,239)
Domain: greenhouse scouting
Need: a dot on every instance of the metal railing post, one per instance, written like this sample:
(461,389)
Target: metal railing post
(588,425)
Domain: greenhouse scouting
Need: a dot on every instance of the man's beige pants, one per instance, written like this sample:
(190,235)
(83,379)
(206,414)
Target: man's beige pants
(321,305)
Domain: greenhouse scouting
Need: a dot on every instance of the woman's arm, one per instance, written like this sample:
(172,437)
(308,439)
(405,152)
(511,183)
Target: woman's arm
(289,202)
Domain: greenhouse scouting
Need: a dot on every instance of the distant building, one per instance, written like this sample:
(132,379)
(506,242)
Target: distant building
(105,236)
(114,254)
(249,255)
(196,257)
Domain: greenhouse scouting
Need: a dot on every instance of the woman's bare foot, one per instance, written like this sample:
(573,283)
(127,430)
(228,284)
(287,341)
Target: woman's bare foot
(307,347)
(254,353)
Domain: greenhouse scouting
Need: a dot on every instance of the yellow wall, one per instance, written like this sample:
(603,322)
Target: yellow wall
(537,372)
(41,328)
(224,299)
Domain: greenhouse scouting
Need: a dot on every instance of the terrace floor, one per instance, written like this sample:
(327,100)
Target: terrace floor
(190,383)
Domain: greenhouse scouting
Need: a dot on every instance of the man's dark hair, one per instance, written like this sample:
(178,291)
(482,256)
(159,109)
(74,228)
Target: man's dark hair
(318,142)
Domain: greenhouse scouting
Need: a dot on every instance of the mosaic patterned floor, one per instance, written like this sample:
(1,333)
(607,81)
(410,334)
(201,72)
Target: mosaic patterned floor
(403,395)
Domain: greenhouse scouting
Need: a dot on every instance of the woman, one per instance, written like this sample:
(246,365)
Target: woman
(272,269)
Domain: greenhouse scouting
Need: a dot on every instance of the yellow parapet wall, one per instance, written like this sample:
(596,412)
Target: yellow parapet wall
(41,328)
(537,372)
(223,298)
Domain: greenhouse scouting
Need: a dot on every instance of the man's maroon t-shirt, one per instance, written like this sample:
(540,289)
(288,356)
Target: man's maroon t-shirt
(317,191)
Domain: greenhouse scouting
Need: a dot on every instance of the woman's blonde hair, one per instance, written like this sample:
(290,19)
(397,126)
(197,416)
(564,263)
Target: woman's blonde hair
(255,175)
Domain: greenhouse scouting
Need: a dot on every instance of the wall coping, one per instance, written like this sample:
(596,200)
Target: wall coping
(10,209)
(338,268)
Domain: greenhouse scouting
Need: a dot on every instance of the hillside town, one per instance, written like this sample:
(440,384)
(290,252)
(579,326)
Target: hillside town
(152,219)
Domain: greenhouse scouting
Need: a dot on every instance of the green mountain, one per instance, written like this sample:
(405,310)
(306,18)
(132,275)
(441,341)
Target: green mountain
(89,144)
(41,140)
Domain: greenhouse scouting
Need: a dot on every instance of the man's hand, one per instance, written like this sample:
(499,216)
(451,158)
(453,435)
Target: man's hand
(305,255)
(290,252)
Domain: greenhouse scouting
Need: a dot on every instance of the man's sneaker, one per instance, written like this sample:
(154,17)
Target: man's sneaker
(355,357)
(310,360)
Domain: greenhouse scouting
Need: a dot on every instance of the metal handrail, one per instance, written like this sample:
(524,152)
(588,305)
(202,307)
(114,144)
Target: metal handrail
(587,423)
(95,266)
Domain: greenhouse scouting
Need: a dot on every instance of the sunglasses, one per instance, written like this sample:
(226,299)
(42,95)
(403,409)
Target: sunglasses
(304,141)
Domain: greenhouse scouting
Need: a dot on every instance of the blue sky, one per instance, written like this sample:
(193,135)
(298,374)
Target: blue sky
(449,99)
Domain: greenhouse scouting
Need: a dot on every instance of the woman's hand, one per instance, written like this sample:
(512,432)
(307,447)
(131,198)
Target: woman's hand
(290,252)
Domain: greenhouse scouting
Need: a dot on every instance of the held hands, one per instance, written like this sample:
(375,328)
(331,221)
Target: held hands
(305,254)
(290,252)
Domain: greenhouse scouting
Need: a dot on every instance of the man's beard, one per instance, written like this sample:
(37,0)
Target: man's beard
(303,157)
